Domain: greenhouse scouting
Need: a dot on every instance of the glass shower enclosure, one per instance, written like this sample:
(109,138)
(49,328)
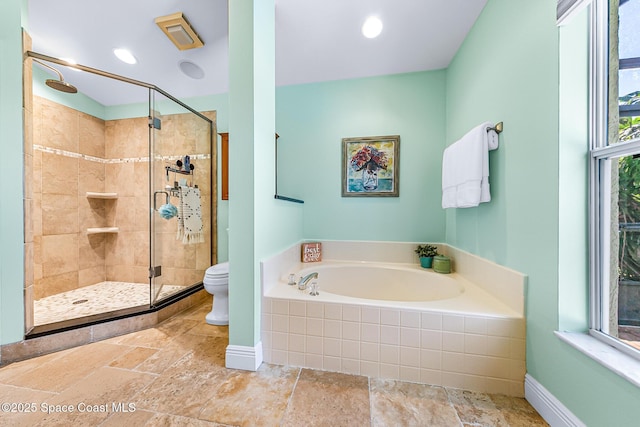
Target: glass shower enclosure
(181,183)
(123,217)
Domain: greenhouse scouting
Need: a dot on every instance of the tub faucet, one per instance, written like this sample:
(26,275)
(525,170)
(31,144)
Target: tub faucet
(302,284)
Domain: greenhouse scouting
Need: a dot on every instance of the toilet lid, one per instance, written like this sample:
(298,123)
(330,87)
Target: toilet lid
(218,270)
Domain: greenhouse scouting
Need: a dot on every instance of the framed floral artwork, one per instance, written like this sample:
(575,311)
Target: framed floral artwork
(370,166)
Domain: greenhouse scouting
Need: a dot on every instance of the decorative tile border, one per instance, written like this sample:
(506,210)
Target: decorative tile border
(74,155)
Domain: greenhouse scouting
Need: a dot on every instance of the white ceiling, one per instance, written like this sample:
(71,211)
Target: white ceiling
(316,41)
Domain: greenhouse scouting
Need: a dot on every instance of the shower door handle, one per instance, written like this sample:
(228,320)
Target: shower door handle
(155,205)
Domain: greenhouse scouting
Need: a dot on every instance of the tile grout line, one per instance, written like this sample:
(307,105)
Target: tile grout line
(293,390)
(370,401)
(153,374)
(446,390)
(52,393)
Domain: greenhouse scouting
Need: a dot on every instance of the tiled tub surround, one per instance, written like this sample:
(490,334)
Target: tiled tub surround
(475,341)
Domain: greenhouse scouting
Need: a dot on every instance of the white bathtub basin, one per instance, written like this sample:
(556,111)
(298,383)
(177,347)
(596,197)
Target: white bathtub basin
(384,282)
(390,285)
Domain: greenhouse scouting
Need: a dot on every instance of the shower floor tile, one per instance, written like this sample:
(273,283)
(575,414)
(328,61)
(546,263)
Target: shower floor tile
(94,299)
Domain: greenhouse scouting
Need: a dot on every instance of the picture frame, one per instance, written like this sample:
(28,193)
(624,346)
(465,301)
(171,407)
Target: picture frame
(371,166)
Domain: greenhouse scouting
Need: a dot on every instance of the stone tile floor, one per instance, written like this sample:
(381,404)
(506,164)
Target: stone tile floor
(174,375)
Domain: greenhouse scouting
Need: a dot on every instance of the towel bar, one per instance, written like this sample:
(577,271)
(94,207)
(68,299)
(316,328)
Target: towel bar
(497,128)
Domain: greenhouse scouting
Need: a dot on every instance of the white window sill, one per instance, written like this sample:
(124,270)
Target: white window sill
(615,360)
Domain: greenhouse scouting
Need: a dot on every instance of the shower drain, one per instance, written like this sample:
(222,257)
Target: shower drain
(80,301)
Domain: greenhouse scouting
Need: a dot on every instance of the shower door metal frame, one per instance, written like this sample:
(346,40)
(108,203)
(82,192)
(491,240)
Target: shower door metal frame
(155,267)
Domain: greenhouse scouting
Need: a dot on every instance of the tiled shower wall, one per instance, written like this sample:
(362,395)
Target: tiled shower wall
(74,153)
(127,252)
(62,173)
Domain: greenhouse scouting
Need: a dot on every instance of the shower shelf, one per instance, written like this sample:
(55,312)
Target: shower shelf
(102,196)
(94,195)
(180,171)
(102,230)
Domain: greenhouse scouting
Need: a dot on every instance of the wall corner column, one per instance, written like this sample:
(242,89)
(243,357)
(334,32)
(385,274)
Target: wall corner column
(11,173)
(251,126)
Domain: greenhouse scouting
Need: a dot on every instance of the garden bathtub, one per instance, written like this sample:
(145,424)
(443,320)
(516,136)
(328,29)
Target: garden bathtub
(398,321)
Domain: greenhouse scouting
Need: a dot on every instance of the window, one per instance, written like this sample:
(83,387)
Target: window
(615,174)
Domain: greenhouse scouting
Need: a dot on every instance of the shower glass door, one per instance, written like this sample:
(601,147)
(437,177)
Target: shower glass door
(180,191)
(159,197)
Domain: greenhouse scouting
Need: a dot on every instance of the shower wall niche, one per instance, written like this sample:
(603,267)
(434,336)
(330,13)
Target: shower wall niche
(92,205)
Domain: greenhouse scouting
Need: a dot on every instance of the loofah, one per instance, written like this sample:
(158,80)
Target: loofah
(168,211)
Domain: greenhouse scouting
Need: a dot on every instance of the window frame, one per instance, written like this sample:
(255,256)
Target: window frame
(601,154)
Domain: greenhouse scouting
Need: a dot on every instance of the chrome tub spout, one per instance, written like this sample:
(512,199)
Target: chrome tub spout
(302,284)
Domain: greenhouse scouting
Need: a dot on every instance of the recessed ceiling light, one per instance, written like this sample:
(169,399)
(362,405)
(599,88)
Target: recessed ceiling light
(372,27)
(191,70)
(125,56)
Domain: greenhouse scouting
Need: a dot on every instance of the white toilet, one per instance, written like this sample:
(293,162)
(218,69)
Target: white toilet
(216,282)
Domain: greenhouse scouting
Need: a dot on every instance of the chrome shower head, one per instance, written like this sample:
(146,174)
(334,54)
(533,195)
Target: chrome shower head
(59,84)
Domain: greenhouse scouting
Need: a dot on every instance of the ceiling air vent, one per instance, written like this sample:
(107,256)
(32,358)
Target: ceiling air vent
(177,28)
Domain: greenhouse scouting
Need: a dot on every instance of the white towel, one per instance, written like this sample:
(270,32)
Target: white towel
(190,228)
(465,168)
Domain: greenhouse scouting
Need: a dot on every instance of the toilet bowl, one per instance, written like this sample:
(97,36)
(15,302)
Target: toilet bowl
(216,282)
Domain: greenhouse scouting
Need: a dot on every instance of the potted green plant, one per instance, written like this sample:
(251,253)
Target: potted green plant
(426,253)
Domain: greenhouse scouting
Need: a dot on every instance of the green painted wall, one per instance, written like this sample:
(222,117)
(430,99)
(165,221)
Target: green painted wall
(508,69)
(411,105)
(259,225)
(312,120)
(11,172)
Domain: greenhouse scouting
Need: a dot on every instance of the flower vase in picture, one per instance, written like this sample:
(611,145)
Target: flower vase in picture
(368,160)
(370,178)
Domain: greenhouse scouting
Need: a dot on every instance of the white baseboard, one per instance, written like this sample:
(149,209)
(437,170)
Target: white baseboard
(243,357)
(548,406)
